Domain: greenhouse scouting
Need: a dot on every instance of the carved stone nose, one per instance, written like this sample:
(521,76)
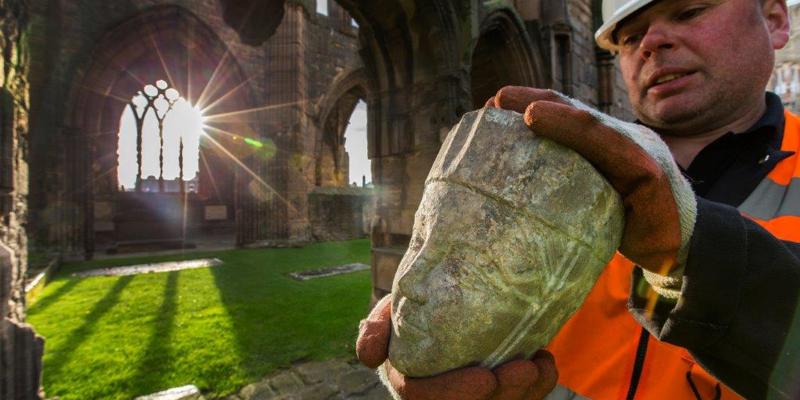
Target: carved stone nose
(411,277)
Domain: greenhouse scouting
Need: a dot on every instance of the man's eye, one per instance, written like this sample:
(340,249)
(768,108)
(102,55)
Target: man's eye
(631,40)
(690,13)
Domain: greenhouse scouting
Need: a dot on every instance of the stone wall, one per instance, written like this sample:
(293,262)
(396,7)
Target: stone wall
(284,70)
(598,81)
(20,347)
(339,213)
(417,64)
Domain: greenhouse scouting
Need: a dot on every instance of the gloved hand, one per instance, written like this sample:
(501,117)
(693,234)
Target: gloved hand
(515,380)
(660,206)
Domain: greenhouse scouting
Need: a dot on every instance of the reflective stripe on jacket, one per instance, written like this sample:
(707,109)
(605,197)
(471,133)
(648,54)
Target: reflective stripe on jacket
(596,350)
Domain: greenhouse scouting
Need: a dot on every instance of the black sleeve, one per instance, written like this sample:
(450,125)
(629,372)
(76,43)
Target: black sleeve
(738,312)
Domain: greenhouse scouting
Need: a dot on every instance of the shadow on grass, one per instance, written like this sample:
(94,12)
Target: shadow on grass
(79,335)
(229,284)
(157,359)
(41,304)
(255,299)
(277,320)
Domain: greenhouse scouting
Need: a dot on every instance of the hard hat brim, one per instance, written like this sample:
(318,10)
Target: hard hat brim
(604,35)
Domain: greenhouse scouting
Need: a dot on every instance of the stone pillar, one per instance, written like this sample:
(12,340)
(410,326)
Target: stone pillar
(20,348)
(605,80)
(558,40)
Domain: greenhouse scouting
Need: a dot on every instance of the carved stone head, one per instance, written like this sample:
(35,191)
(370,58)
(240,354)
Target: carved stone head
(510,236)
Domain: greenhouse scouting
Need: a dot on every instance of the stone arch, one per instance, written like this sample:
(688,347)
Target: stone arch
(503,37)
(335,110)
(388,56)
(352,79)
(162,42)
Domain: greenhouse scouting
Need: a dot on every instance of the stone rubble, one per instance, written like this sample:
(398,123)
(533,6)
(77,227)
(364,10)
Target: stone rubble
(317,380)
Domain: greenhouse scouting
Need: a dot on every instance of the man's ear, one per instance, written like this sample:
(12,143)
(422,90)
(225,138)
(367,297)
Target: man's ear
(776,15)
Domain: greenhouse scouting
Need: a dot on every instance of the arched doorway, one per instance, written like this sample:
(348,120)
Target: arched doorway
(168,57)
(333,165)
(502,57)
(341,204)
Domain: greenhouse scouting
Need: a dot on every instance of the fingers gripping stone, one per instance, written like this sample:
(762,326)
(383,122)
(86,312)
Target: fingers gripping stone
(372,345)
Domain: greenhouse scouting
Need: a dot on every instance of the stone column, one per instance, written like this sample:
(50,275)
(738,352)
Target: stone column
(20,348)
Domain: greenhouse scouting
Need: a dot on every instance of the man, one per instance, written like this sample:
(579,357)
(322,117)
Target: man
(727,279)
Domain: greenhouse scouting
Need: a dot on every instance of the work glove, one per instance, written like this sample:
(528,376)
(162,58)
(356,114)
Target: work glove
(515,380)
(660,206)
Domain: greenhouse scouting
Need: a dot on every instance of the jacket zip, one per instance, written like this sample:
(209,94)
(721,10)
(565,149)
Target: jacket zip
(638,364)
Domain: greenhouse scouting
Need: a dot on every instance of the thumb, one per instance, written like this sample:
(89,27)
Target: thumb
(372,345)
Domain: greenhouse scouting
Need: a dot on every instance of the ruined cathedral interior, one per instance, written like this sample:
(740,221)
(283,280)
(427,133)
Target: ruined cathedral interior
(148,125)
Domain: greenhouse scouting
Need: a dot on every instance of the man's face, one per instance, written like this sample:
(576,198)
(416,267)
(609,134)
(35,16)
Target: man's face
(692,65)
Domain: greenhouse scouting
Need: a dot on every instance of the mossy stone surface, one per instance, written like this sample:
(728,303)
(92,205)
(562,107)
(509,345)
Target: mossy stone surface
(510,236)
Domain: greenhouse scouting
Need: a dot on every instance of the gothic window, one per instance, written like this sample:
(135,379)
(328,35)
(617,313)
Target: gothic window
(159,142)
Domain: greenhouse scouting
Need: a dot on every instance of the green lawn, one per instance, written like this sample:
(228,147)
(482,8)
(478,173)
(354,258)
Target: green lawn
(218,328)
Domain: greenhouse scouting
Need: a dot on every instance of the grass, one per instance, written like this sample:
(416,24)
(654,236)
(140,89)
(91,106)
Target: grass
(218,328)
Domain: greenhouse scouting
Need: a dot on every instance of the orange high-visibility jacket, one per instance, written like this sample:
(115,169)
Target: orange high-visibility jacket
(596,351)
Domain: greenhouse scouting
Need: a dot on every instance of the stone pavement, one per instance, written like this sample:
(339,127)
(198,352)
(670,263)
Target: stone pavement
(317,380)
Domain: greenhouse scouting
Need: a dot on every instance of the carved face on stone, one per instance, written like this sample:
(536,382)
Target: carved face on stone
(505,246)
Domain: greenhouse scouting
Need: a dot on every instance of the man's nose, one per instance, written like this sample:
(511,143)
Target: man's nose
(657,38)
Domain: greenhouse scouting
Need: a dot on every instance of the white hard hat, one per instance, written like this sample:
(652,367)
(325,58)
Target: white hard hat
(615,11)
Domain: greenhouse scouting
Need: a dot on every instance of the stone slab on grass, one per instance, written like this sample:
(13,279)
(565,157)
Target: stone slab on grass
(151,268)
(188,392)
(321,273)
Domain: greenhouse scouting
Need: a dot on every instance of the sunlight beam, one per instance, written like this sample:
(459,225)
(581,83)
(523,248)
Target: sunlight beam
(205,163)
(256,177)
(97,91)
(213,77)
(225,96)
(163,62)
(252,110)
